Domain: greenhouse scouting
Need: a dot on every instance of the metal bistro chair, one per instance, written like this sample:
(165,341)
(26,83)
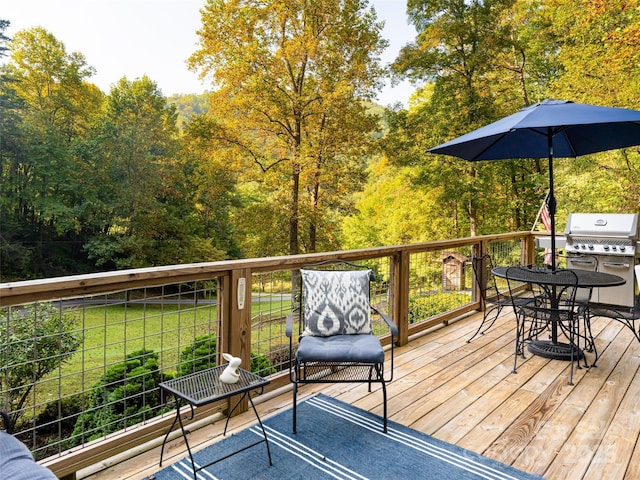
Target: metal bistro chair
(493,299)
(625,315)
(583,299)
(554,294)
(335,339)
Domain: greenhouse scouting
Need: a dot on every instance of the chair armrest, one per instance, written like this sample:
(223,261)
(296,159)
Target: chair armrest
(390,323)
(289,326)
(289,323)
(628,316)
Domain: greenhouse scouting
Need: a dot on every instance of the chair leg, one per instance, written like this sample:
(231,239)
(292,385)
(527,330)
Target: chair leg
(519,343)
(384,405)
(295,399)
(587,341)
(577,335)
(497,309)
(589,338)
(572,346)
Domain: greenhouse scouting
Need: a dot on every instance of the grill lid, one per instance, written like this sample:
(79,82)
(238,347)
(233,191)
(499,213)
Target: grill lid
(602,233)
(618,225)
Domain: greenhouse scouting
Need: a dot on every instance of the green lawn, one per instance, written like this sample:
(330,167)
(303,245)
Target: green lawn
(110,332)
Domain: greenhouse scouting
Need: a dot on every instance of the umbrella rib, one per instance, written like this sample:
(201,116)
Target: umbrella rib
(497,139)
(555,131)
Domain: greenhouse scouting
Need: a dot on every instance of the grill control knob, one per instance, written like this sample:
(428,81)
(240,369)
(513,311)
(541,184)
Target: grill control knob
(613,247)
(606,248)
(590,247)
(622,248)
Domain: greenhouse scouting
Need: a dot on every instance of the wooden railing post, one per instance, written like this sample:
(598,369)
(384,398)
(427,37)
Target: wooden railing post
(528,250)
(400,294)
(479,250)
(235,321)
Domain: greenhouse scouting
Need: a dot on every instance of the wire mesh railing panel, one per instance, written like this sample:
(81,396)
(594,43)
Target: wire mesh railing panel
(274,296)
(272,301)
(379,292)
(505,253)
(439,281)
(79,369)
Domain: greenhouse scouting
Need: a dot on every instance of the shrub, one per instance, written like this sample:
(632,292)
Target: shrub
(125,395)
(198,356)
(202,355)
(280,357)
(57,422)
(422,307)
(60,414)
(261,365)
(39,339)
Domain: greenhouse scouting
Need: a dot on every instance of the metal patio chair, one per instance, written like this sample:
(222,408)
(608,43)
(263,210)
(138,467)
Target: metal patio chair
(583,299)
(628,316)
(331,338)
(493,299)
(553,307)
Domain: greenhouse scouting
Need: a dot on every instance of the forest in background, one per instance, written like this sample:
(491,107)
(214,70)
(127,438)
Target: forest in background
(288,152)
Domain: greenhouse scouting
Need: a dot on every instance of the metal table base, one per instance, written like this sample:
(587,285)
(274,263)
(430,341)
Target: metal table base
(555,350)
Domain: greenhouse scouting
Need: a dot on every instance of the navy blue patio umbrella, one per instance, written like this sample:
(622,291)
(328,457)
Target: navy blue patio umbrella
(552,128)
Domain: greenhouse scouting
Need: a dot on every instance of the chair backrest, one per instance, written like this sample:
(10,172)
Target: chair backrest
(335,300)
(549,286)
(583,262)
(485,280)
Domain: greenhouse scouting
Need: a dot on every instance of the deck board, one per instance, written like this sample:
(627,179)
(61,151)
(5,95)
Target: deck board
(466,393)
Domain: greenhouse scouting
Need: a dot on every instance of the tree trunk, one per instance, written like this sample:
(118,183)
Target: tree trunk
(294,247)
(315,193)
(473,227)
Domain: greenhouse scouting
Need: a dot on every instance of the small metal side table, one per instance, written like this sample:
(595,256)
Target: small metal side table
(204,387)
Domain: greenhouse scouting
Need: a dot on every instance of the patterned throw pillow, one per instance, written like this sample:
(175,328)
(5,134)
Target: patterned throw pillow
(336,302)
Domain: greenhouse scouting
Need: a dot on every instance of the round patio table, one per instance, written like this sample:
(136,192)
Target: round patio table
(586,279)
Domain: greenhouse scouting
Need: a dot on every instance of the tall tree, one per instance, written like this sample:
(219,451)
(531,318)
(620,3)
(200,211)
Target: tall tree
(464,49)
(142,203)
(600,55)
(600,58)
(4,24)
(14,255)
(290,77)
(54,106)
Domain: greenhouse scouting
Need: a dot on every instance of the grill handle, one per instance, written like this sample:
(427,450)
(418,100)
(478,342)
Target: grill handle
(582,261)
(616,264)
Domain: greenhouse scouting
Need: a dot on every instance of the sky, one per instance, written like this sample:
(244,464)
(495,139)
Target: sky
(133,38)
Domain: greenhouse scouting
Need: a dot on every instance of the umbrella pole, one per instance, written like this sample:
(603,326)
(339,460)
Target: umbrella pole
(552,204)
(552,214)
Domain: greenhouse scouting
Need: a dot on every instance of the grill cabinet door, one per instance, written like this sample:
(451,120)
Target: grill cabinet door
(623,267)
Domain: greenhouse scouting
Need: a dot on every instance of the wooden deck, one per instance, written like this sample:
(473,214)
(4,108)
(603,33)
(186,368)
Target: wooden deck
(466,394)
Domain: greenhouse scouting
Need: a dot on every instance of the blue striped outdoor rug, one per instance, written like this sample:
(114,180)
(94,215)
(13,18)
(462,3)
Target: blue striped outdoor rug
(337,440)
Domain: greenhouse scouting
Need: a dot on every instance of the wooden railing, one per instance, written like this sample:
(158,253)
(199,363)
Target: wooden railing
(234,324)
